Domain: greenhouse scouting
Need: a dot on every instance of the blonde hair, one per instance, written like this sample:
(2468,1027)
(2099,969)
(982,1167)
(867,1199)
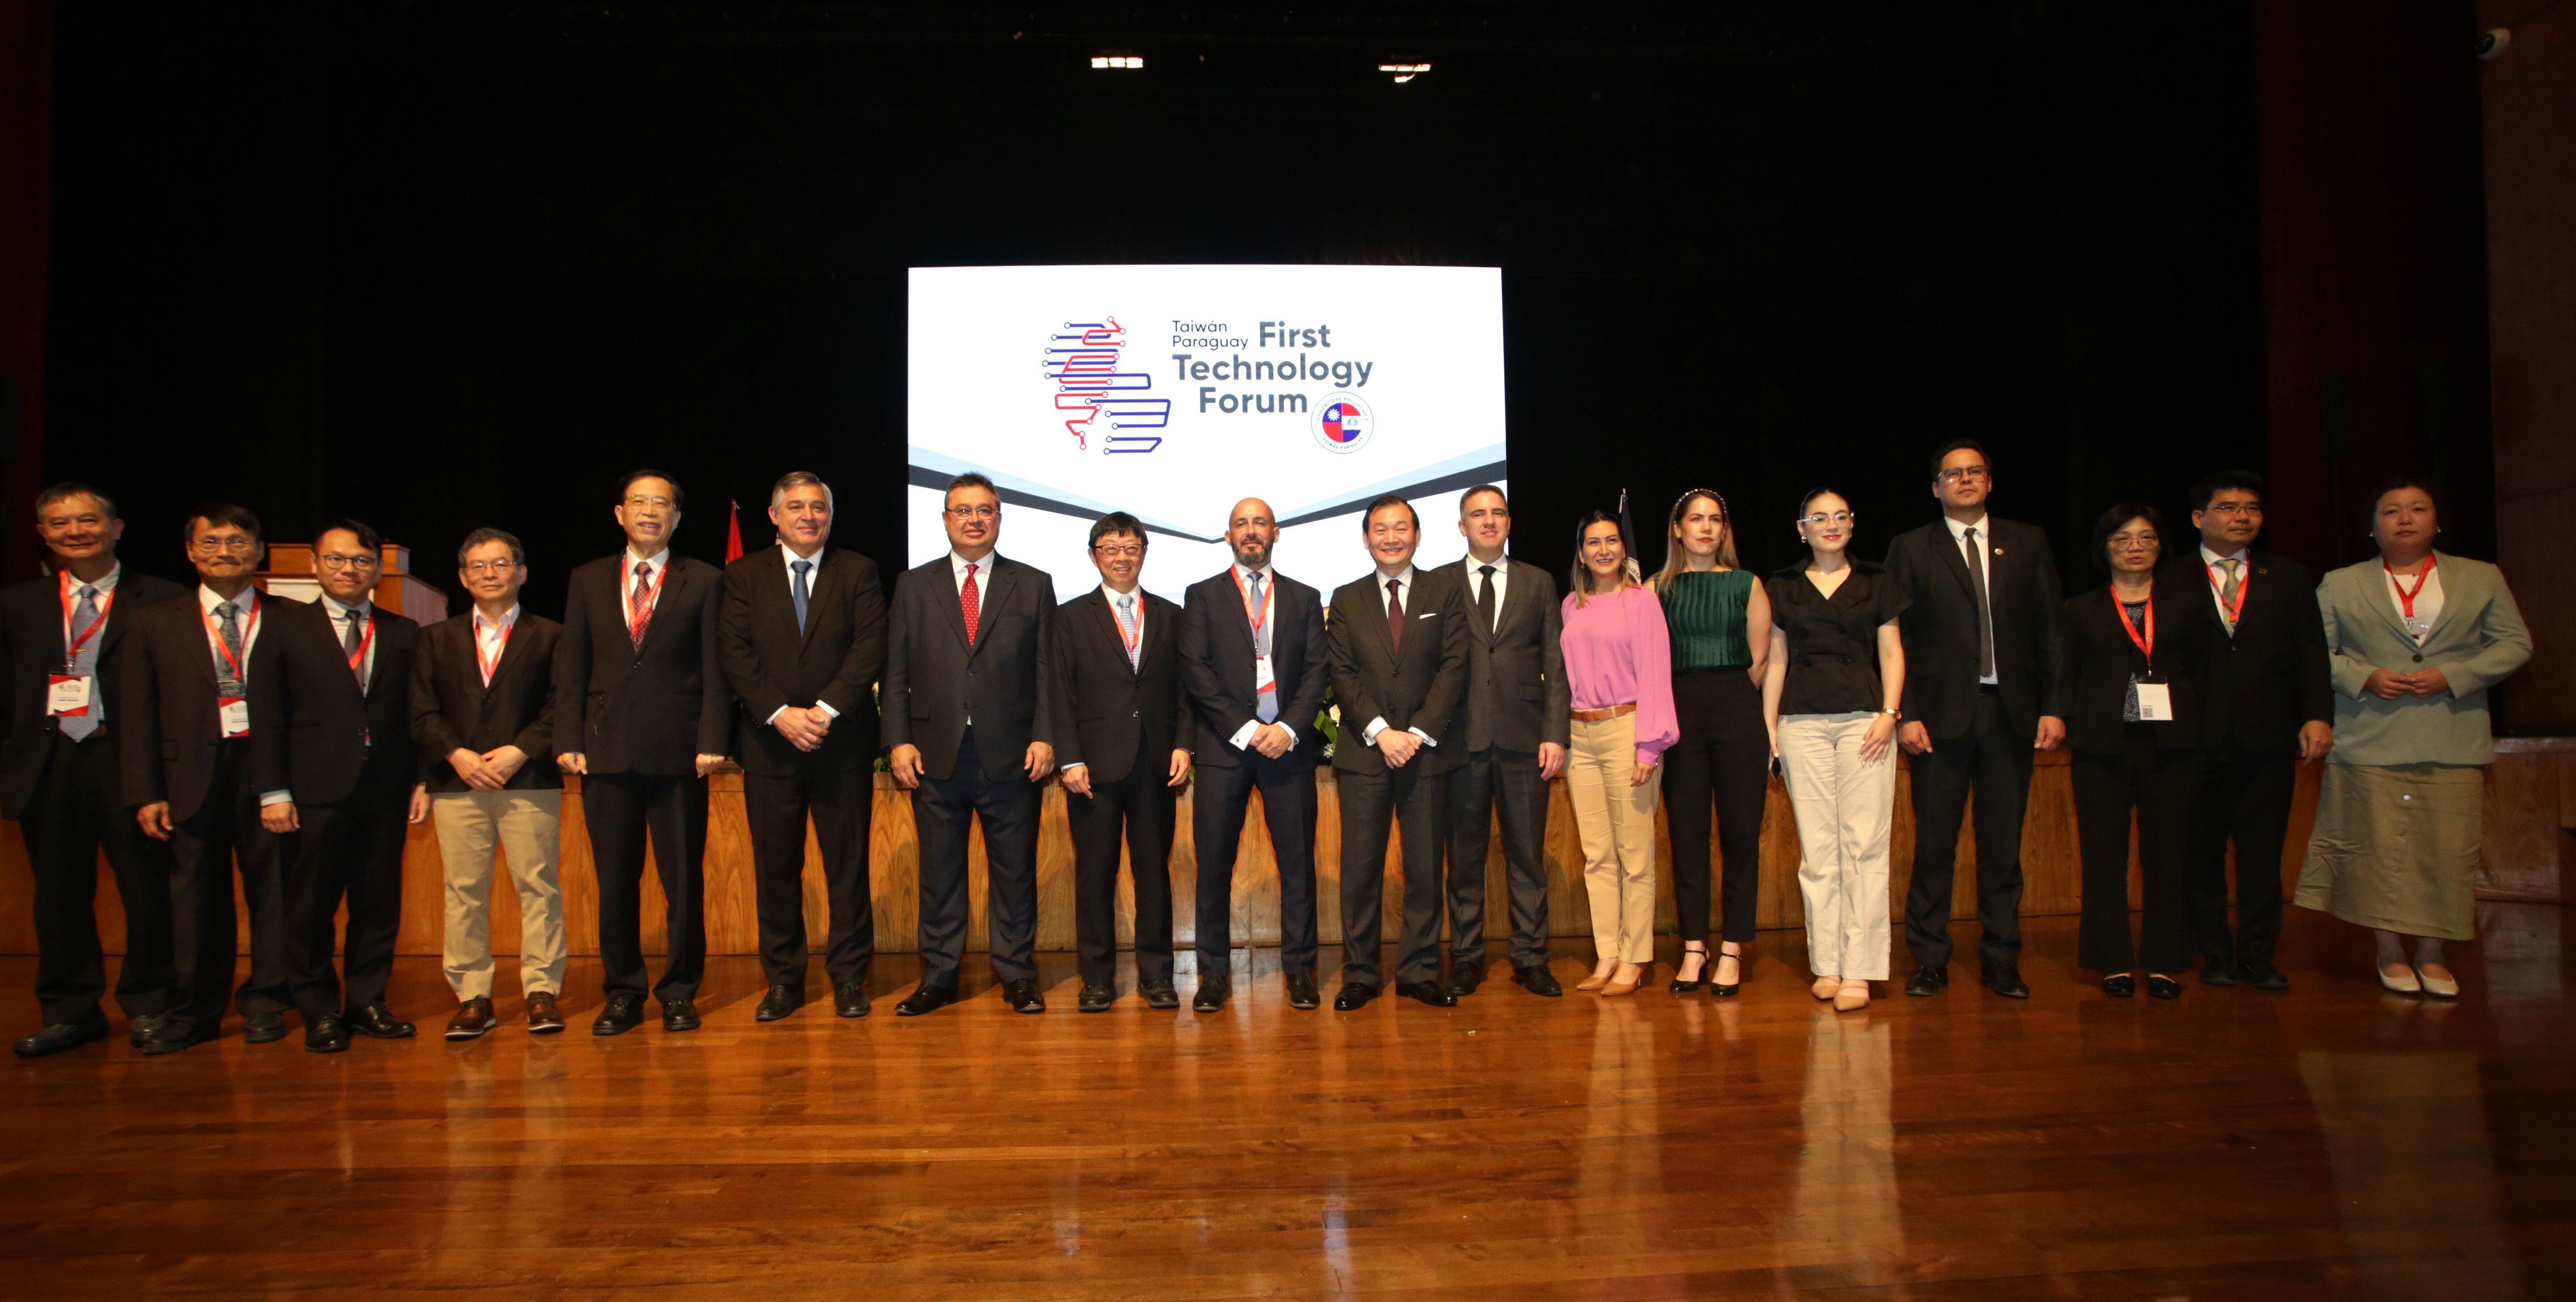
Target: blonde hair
(1677,557)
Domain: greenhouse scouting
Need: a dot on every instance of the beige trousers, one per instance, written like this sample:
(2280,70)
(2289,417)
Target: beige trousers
(525,823)
(1843,807)
(1617,821)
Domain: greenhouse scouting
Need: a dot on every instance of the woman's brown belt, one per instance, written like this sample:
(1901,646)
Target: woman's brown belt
(1596,716)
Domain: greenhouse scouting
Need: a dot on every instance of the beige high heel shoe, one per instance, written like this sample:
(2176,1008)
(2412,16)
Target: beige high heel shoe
(1600,975)
(1853,996)
(2402,980)
(2438,987)
(1826,987)
(1627,985)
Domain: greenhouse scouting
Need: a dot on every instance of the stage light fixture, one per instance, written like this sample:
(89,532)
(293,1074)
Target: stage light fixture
(1118,61)
(1404,72)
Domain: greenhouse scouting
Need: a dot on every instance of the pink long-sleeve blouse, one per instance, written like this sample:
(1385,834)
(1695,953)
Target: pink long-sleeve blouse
(1617,651)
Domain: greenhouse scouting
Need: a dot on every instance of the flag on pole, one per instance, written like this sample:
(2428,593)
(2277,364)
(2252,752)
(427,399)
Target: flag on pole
(1628,537)
(733,535)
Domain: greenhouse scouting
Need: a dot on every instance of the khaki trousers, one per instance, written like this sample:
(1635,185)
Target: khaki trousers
(525,823)
(1617,821)
(1843,808)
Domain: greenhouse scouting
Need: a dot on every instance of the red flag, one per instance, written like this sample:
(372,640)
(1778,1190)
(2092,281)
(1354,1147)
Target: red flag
(733,535)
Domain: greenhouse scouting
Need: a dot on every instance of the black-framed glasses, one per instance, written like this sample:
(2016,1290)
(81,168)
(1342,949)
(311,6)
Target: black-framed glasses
(1967,474)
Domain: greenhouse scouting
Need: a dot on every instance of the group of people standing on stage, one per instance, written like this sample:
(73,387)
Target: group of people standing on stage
(190,735)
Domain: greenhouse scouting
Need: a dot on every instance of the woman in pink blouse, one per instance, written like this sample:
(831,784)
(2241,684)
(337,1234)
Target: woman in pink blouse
(1618,663)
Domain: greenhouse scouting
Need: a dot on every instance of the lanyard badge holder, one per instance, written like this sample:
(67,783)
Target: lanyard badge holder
(232,709)
(2155,696)
(1263,680)
(68,694)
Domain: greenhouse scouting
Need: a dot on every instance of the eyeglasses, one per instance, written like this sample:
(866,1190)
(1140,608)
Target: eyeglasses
(490,567)
(642,503)
(232,543)
(1821,519)
(2133,541)
(1129,552)
(2233,508)
(335,564)
(978,511)
(1957,474)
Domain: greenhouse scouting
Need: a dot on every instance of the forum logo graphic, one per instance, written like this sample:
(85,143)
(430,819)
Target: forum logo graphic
(1082,359)
(1344,423)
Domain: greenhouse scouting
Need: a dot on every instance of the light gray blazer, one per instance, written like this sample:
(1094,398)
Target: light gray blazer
(2478,642)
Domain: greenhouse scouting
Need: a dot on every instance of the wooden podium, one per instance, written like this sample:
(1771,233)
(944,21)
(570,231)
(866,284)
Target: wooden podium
(290,574)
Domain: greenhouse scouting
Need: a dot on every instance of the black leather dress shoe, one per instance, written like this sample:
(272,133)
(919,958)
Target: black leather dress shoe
(2005,979)
(1465,977)
(2218,972)
(1302,994)
(1427,992)
(1212,994)
(1160,993)
(623,1013)
(377,1022)
(1538,980)
(1094,998)
(850,999)
(170,1035)
(263,1028)
(1354,996)
(2261,975)
(679,1014)
(326,1035)
(54,1037)
(926,999)
(138,1028)
(1023,996)
(2120,987)
(779,1002)
(2163,987)
(1927,980)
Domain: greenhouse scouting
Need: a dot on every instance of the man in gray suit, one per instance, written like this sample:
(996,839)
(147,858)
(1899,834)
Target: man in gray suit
(1515,724)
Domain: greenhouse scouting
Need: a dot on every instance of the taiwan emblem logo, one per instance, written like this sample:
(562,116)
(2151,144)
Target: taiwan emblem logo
(1344,423)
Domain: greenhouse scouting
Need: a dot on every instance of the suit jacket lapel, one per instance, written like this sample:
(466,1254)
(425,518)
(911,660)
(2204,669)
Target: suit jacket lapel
(2454,596)
(1106,620)
(665,594)
(993,588)
(2383,603)
(1955,554)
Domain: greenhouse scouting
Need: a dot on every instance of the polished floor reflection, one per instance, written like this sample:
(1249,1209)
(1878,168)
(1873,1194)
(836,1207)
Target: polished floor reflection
(2329,1142)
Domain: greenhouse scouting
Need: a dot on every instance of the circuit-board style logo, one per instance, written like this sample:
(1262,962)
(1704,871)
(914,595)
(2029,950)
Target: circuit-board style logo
(1082,359)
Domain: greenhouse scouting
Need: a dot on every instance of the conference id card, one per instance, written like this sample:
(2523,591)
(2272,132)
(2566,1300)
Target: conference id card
(1262,679)
(2155,703)
(67,694)
(235,713)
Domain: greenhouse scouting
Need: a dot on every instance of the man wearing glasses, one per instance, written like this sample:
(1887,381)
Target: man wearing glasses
(968,712)
(187,765)
(1982,691)
(643,715)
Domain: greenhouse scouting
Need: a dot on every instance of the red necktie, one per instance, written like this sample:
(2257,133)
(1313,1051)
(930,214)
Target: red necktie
(1394,615)
(972,604)
(640,606)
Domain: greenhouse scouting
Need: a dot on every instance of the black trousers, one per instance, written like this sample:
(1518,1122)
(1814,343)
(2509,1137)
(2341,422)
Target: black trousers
(2159,786)
(204,850)
(348,849)
(943,810)
(1370,804)
(76,812)
(1993,764)
(2244,797)
(1216,822)
(840,801)
(1141,810)
(1723,758)
(1498,786)
(622,812)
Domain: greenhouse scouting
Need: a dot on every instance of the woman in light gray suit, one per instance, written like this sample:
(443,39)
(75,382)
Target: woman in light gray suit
(2418,636)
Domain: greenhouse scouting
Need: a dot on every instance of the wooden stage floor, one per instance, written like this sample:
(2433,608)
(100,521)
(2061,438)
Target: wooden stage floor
(2328,1142)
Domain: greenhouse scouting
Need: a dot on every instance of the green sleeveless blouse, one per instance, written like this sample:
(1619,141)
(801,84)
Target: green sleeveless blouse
(1705,611)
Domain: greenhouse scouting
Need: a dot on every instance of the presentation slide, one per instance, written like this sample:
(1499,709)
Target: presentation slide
(1172,392)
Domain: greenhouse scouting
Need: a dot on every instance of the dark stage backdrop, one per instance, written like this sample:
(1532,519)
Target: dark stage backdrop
(447,266)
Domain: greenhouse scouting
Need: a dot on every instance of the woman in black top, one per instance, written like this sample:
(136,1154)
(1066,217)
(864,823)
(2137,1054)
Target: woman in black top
(1830,691)
(2135,657)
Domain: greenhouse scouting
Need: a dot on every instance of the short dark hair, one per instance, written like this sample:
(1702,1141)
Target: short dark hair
(71,488)
(679,500)
(2422,483)
(1465,497)
(2110,524)
(971,479)
(1116,522)
(1385,500)
(217,515)
(1943,452)
(367,537)
(518,553)
(1820,490)
(1580,581)
(2210,486)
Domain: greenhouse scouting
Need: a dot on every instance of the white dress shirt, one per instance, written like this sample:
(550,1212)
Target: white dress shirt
(1113,596)
(1985,571)
(247,602)
(1476,582)
(1385,598)
(2428,601)
(1242,738)
(103,587)
(340,631)
(490,639)
(811,575)
(2217,576)
(655,564)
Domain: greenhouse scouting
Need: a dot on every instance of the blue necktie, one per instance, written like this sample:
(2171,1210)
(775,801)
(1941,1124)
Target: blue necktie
(78,727)
(800,567)
(1268,705)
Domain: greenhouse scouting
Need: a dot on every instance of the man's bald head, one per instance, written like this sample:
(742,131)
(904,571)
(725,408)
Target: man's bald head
(1251,531)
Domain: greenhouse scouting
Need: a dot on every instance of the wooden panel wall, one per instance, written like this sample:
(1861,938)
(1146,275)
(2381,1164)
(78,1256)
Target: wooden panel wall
(2531,804)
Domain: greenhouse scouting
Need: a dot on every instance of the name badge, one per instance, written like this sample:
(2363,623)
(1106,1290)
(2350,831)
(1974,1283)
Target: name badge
(67,695)
(2155,703)
(1262,679)
(235,713)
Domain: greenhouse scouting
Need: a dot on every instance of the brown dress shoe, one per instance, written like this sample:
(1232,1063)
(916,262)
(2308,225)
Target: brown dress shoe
(543,1017)
(472,1019)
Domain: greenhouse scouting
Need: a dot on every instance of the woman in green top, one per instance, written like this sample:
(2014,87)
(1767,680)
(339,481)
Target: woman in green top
(1721,632)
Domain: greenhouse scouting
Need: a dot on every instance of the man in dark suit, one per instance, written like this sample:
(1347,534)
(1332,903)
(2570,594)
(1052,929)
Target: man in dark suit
(62,639)
(2269,702)
(338,779)
(186,753)
(802,640)
(482,713)
(1514,724)
(1398,649)
(1253,662)
(1123,734)
(1983,689)
(643,714)
(968,711)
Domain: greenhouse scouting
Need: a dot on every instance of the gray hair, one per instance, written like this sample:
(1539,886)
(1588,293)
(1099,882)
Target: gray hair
(518,552)
(797,479)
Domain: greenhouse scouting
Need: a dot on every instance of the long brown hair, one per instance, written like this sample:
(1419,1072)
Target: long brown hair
(1580,582)
(1677,557)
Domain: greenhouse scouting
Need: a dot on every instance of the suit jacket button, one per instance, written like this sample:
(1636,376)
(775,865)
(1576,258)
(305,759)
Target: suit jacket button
(637,665)
(1135,714)
(2419,659)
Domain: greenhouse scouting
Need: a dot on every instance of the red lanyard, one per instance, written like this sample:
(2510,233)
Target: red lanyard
(365,640)
(2235,611)
(2147,644)
(2406,596)
(1269,600)
(652,588)
(217,636)
(72,645)
(487,666)
(1131,642)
